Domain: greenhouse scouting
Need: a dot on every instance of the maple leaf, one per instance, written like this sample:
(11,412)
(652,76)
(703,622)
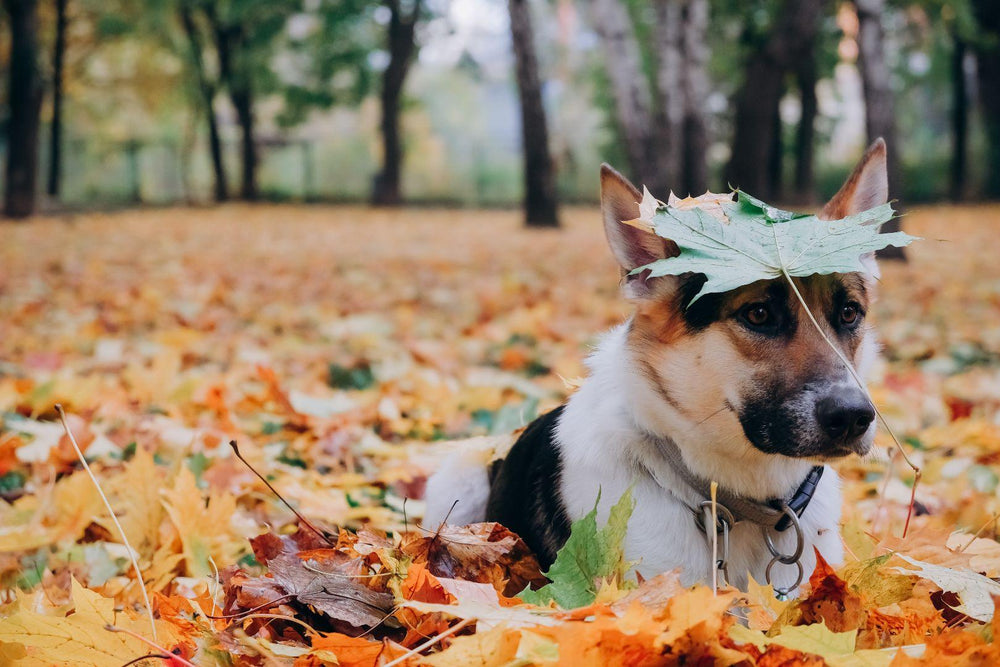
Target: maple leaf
(589,555)
(480,552)
(975,591)
(760,242)
(81,638)
(328,580)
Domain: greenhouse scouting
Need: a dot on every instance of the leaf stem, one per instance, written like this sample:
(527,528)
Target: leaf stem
(857,378)
(121,531)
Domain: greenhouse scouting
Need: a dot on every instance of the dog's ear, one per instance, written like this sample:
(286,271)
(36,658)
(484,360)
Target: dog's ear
(631,246)
(866,187)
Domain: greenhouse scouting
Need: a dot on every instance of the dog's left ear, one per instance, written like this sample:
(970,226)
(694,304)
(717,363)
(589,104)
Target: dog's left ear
(631,246)
(866,187)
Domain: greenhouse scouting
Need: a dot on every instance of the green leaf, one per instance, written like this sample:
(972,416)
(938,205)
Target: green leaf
(760,242)
(589,555)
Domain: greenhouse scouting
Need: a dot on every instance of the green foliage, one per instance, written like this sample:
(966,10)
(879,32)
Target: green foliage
(761,242)
(355,377)
(589,556)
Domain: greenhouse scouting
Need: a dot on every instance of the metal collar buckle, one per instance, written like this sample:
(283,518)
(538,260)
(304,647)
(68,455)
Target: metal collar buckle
(788,518)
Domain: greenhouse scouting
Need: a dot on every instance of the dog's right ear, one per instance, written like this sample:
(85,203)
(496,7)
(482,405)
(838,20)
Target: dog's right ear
(631,246)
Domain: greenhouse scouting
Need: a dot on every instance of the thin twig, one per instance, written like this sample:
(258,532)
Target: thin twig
(279,617)
(430,642)
(979,532)
(121,531)
(305,521)
(857,378)
(150,656)
(715,540)
(154,645)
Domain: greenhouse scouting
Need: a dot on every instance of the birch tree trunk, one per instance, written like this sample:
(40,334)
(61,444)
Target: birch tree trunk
(667,133)
(633,102)
(880,114)
(539,173)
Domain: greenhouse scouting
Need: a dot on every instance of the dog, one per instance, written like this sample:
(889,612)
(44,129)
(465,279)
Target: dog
(739,389)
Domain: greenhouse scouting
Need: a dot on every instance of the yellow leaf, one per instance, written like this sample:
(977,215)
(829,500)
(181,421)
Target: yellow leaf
(493,648)
(836,648)
(135,495)
(204,528)
(81,637)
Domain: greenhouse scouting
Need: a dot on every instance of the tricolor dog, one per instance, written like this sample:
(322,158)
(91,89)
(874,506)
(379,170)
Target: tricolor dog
(740,389)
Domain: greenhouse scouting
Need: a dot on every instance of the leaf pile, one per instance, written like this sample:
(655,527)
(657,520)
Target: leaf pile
(338,353)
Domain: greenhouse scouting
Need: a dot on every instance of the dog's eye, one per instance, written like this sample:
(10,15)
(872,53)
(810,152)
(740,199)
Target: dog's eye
(850,313)
(757,314)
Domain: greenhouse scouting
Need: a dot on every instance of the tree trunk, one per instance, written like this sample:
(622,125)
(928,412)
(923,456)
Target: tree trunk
(206,90)
(695,87)
(539,173)
(988,60)
(242,99)
(25,99)
(233,70)
(401,46)
(55,129)
(629,89)
(805,134)
(959,119)
(880,115)
(667,133)
(776,153)
(792,37)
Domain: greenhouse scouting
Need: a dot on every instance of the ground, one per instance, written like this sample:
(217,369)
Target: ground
(336,345)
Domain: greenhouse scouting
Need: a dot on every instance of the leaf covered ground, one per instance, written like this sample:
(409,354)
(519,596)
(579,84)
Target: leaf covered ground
(342,349)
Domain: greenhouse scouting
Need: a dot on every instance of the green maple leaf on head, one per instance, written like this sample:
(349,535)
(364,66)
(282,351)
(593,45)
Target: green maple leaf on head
(760,242)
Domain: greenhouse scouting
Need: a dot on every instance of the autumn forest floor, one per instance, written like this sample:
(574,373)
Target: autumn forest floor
(336,345)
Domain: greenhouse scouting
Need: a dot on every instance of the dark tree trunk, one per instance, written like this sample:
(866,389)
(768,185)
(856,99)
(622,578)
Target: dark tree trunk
(25,99)
(988,60)
(401,45)
(776,153)
(792,37)
(55,129)
(539,173)
(206,91)
(633,107)
(233,70)
(805,134)
(695,87)
(959,119)
(880,114)
(242,98)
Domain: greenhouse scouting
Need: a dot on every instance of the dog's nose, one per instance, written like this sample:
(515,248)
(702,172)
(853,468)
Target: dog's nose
(845,415)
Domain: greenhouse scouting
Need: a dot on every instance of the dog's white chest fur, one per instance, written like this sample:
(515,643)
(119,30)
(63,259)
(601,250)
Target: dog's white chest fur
(601,439)
(604,449)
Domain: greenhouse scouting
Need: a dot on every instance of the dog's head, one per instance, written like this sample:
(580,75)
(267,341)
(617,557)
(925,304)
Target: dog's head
(747,369)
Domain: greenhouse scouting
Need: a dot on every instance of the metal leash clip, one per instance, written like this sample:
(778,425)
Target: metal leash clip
(789,517)
(724,521)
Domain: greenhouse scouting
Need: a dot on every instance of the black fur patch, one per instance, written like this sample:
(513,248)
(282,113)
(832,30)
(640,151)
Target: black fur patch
(524,490)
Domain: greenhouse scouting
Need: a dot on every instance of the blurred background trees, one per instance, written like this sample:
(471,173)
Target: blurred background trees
(490,102)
